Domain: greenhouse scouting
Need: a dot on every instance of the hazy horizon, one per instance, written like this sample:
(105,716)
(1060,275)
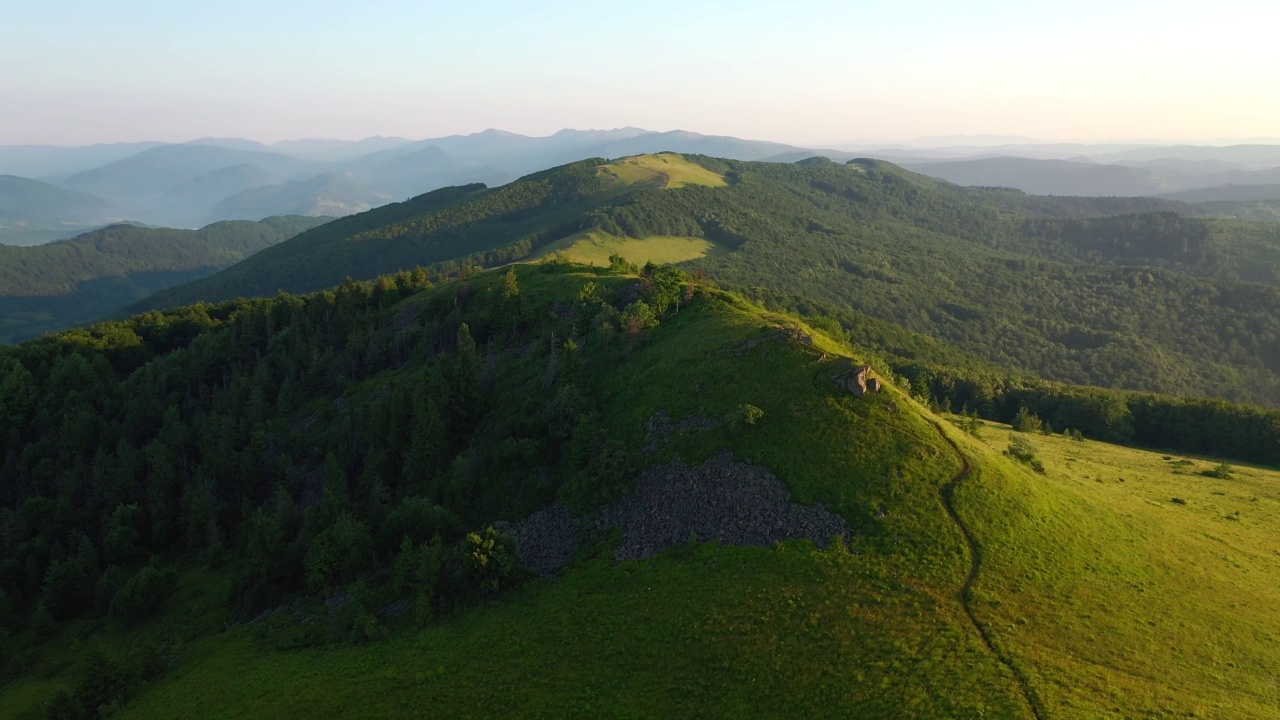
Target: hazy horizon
(923,143)
(823,74)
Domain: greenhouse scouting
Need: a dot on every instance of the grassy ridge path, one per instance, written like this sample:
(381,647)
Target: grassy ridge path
(975,566)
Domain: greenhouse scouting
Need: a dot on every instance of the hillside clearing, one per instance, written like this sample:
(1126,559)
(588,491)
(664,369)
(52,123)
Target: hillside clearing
(666,170)
(593,247)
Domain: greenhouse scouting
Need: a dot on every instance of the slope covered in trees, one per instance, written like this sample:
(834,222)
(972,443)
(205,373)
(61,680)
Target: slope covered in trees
(1115,292)
(33,212)
(192,497)
(86,278)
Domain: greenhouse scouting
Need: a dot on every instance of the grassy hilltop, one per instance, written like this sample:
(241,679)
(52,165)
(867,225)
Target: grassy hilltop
(968,585)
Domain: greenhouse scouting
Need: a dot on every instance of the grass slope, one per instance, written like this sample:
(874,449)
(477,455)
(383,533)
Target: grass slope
(665,170)
(1115,599)
(595,248)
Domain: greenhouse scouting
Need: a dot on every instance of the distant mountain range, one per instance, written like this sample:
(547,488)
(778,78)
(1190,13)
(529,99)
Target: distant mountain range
(211,179)
(34,212)
(195,183)
(1191,179)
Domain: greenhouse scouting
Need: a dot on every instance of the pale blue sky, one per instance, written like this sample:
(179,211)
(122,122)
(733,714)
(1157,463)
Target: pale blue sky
(79,71)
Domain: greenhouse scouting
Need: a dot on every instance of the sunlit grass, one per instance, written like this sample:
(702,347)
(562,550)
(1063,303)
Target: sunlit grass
(1119,601)
(667,170)
(593,247)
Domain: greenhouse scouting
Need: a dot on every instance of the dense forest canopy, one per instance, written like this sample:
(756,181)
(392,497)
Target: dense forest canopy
(62,284)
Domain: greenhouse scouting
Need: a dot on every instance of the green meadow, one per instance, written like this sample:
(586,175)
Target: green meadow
(592,247)
(664,170)
(1130,583)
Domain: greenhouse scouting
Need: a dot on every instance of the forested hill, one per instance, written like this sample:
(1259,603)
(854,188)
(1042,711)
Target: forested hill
(1115,292)
(54,286)
(433,228)
(322,489)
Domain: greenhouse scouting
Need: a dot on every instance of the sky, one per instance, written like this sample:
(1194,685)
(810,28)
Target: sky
(808,73)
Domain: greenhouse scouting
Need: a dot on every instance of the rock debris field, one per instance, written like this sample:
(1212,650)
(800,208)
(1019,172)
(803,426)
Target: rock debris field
(730,502)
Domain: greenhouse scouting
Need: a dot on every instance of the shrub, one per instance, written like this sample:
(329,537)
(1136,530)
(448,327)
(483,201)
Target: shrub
(1222,471)
(971,424)
(1027,422)
(1022,450)
(746,415)
(144,594)
(638,316)
(619,264)
(6,611)
(42,625)
(339,554)
(489,562)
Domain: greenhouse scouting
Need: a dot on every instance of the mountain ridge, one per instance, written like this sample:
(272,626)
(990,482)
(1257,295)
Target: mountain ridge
(820,229)
(71,282)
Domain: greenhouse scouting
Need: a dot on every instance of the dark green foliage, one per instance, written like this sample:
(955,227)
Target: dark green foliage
(311,444)
(6,612)
(1222,471)
(455,228)
(42,623)
(107,683)
(87,278)
(1027,422)
(418,520)
(123,534)
(619,264)
(144,594)
(339,554)
(1021,449)
(70,580)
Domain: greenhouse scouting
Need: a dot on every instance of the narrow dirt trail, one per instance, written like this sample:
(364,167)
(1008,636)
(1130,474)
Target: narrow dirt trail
(947,492)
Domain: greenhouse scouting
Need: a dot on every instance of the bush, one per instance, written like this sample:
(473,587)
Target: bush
(42,625)
(619,264)
(638,316)
(1022,450)
(6,611)
(489,562)
(109,583)
(144,594)
(1222,471)
(971,424)
(746,415)
(339,554)
(1027,422)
